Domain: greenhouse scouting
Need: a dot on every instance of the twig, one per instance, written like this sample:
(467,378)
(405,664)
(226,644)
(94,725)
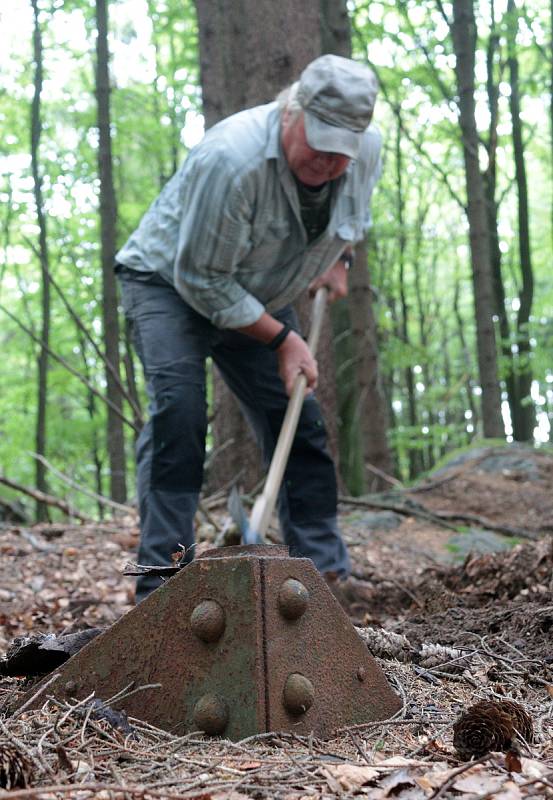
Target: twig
(441,790)
(133,789)
(384,475)
(34,697)
(72,370)
(21,746)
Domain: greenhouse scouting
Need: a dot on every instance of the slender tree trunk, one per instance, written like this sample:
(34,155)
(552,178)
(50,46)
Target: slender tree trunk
(490,184)
(36,129)
(524,431)
(108,217)
(465,353)
(415,465)
(464,42)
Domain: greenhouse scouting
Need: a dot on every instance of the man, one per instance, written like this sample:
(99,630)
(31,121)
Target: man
(268,204)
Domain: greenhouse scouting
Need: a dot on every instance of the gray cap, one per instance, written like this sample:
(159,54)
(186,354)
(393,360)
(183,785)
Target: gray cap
(338,97)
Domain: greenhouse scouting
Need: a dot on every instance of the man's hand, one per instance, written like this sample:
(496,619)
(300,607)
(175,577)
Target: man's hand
(335,279)
(294,356)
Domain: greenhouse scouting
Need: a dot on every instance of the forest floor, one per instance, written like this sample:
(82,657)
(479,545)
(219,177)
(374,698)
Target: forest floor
(453,614)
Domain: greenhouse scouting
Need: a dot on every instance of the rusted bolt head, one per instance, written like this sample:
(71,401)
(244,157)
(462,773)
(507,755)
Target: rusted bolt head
(211,714)
(298,694)
(208,621)
(292,599)
(361,674)
(71,686)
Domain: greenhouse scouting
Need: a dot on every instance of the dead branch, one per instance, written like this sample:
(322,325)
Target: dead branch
(57,502)
(507,530)
(104,501)
(101,355)
(410,508)
(403,506)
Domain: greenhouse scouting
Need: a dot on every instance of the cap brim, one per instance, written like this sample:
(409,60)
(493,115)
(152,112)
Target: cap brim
(331,138)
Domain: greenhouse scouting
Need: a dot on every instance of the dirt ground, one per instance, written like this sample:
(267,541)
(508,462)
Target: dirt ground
(452,590)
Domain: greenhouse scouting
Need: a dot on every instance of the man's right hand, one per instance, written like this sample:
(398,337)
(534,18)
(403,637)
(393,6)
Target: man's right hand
(295,357)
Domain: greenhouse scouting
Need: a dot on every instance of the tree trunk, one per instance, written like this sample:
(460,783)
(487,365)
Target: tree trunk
(108,216)
(490,185)
(373,417)
(524,431)
(367,403)
(464,42)
(415,461)
(244,62)
(36,130)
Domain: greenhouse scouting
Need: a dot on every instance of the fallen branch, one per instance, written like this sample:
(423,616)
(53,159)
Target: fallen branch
(507,530)
(104,501)
(48,499)
(410,508)
(404,506)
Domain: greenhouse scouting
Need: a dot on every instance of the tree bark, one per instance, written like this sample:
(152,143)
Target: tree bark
(108,217)
(36,130)
(373,417)
(243,62)
(368,403)
(490,184)
(464,42)
(415,461)
(524,430)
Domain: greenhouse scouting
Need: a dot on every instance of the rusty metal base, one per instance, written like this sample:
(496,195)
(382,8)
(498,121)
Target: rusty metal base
(243,640)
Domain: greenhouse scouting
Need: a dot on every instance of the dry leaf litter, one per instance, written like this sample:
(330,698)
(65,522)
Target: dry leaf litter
(448,634)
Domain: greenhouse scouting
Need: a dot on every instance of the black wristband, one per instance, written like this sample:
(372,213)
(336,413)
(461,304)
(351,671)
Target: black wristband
(275,343)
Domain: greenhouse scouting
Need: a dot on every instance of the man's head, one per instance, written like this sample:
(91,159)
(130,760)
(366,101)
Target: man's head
(336,96)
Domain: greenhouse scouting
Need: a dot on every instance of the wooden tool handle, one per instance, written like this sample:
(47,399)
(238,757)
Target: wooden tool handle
(265,503)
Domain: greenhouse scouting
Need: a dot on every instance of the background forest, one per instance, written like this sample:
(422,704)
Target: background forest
(447,333)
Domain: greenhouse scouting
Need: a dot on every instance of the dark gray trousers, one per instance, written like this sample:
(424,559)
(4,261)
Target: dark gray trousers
(173,342)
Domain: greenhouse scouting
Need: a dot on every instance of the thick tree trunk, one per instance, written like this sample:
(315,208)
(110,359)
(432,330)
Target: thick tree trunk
(464,42)
(524,431)
(243,62)
(36,129)
(108,217)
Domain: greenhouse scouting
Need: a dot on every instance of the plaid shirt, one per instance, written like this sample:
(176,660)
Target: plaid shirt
(226,230)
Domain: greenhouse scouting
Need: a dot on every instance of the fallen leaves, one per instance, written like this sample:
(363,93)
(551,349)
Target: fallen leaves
(411,779)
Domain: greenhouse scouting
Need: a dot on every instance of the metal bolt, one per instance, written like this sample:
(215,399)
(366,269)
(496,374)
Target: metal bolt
(208,621)
(292,599)
(211,714)
(299,693)
(361,673)
(70,687)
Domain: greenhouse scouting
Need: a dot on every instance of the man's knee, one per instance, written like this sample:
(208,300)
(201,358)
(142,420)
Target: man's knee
(179,427)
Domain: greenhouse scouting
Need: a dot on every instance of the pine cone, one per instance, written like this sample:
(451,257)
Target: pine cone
(15,768)
(522,721)
(490,726)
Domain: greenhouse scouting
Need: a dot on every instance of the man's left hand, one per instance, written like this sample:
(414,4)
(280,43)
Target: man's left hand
(336,281)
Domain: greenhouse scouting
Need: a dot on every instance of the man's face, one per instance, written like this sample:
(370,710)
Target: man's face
(312,167)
